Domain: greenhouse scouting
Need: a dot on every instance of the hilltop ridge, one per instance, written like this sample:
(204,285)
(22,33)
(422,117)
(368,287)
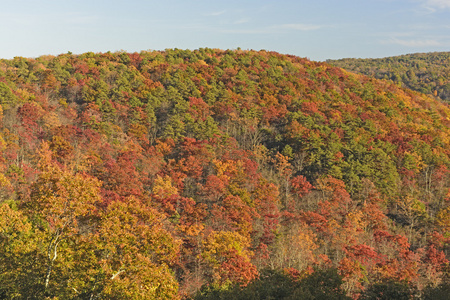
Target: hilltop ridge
(427,73)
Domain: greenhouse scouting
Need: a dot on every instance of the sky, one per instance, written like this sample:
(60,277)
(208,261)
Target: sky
(316,29)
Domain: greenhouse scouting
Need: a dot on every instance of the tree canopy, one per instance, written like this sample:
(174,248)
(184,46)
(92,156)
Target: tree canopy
(192,174)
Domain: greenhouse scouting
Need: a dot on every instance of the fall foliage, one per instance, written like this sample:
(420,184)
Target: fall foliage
(213,174)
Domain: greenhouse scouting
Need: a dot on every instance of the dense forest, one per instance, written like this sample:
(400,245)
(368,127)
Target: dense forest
(214,174)
(428,73)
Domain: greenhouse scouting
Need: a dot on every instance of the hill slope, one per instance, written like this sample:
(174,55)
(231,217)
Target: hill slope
(148,175)
(428,73)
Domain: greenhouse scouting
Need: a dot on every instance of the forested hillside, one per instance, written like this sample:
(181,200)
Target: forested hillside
(218,174)
(428,73)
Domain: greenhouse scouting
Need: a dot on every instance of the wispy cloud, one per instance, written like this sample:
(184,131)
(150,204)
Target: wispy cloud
(241,21)
(438,3)
(414,43)
(80,19)
(432,6)
(247,31)
(215,13)
(34,20)
(274,29)
(300,27)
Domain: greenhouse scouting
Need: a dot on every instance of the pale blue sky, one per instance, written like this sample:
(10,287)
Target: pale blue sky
(317,29)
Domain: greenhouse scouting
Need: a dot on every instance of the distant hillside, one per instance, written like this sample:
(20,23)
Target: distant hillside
(214,174)
(428,73)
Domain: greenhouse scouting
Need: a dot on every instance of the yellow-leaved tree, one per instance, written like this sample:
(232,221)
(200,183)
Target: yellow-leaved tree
(60,243)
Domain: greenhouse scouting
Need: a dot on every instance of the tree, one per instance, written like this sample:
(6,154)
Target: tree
(17,252)
(228,257)
(134,253)
(7,97)
(62,205)
(388,290)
